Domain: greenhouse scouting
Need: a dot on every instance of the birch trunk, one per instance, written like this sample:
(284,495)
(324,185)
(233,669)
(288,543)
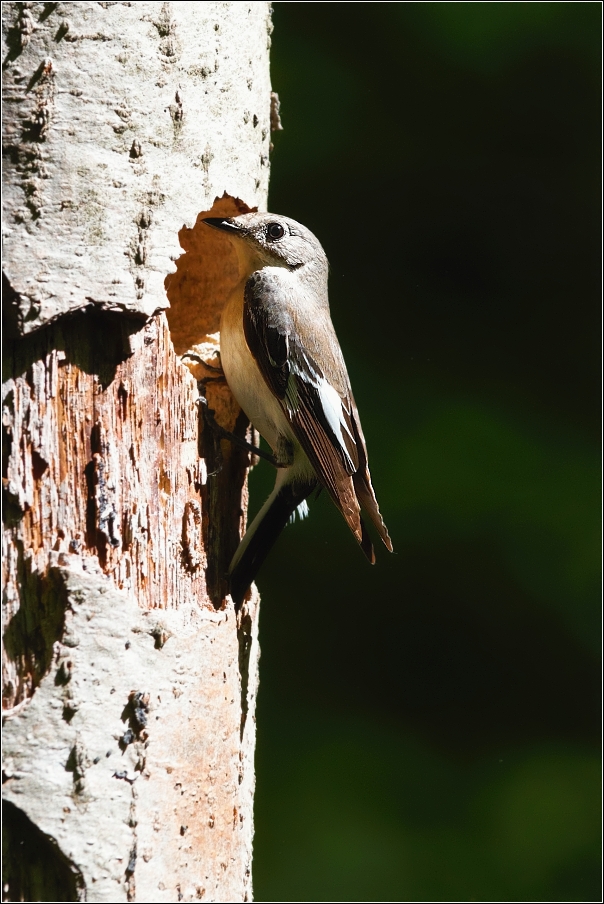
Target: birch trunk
(129,682)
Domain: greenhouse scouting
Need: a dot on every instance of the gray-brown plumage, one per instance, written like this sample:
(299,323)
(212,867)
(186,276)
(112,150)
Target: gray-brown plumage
(283,363)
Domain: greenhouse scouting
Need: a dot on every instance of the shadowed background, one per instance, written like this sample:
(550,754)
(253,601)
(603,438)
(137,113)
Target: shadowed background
(428,729)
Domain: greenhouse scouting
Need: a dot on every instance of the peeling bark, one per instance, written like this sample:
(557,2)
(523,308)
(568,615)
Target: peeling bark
(129,681)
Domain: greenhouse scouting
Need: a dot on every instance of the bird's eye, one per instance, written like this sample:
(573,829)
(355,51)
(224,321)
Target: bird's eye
(275,231)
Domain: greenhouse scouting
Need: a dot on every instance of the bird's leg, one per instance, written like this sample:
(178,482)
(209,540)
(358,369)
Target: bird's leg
(199,360)
(237,440)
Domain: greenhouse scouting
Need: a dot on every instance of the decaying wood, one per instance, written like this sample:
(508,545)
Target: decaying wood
(129,682)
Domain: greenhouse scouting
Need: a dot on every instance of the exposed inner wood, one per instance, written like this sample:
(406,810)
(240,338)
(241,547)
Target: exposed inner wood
(94,468)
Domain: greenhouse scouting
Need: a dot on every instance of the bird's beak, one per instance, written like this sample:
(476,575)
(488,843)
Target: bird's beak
(224,223)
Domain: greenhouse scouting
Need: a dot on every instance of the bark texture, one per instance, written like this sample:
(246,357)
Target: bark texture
(129,682)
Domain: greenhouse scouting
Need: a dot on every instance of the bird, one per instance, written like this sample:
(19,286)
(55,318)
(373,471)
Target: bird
(283,363)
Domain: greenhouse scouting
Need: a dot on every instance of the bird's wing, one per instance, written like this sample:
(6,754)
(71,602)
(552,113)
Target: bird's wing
(323,418)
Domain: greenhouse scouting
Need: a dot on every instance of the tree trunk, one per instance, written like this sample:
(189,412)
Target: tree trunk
(129,681)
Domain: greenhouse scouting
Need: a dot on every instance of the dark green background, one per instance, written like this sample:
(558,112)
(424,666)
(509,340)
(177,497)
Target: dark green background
(428,729)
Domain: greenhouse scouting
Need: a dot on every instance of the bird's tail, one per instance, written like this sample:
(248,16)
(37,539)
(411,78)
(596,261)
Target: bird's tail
(264,530)
(366,497)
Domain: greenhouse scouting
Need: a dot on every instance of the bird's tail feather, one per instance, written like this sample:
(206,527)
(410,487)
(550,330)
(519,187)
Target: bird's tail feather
(366,496)
(264,530)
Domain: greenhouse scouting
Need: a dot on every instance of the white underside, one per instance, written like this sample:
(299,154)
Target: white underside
(262,408)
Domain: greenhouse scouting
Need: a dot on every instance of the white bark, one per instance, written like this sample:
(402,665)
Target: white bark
(123,122)
(163,813)
(129,681)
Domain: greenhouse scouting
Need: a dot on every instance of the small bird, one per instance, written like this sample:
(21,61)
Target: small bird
(283,363)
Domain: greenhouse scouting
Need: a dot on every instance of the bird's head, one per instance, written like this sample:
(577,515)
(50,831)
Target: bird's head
(270,240)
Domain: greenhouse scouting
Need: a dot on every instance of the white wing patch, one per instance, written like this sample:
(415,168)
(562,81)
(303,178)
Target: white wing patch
(332,408)
(331,405)
(330,401)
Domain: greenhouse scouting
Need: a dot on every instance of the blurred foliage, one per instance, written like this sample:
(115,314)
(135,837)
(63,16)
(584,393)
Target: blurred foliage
(428,729)
(471,472)
(364,814)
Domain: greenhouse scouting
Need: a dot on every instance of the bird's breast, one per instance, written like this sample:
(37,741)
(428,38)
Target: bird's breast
(244,377)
